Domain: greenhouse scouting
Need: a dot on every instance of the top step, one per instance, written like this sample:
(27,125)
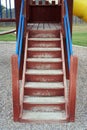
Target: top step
(43,26)
(44,30)
(44,33)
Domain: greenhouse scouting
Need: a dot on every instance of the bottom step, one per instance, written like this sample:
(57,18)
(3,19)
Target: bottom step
(44,116)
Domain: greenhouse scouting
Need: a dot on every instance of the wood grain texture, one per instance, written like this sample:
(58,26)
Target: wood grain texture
(45,13)
(15,87)
(72,87)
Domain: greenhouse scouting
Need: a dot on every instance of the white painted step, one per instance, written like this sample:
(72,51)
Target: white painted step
(44,100)
(41,116)
(44,39)
(44,72)
(44,85)
(44,59)
(44,49)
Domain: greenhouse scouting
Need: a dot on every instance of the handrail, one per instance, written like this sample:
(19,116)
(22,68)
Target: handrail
(68,33)
(20,34)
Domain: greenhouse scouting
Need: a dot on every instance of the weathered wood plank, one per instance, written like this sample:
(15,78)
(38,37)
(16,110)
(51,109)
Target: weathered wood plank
(34,27)
(45,26)
(72,87)
(15,87)
(40,27)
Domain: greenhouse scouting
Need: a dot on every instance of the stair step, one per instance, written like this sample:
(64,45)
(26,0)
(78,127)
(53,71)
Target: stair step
(44,65)
(44,85)
(43,54)
(44,59)
(43,92)
(43,26)
(44,33)
(44,77)
(44,39)
(44,89)
(44,116)
(44,72)
(44,49)
(44,100)
(44,44)
(44,103)
(44,107)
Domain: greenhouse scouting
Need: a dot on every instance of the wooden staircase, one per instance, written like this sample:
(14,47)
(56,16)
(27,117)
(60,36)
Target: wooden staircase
(44,78)
(43,61)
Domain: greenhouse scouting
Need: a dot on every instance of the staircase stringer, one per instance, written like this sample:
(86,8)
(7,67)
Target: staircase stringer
(64,73)
(23,76)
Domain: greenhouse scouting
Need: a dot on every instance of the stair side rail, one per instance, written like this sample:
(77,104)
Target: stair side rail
(15,62)
(15,87)
(72,88)
(72,66)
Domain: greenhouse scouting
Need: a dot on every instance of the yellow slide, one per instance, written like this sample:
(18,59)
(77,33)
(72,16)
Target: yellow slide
(80,9)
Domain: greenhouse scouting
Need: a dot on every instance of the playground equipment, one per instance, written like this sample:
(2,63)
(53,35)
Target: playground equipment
(80,9)
(43,62)
(8,15)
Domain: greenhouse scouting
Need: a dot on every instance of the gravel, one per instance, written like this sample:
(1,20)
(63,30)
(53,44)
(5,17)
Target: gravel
(6,117)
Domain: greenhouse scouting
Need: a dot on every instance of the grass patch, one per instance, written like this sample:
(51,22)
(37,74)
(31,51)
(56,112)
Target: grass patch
(79,35)
(7,37)
(79,38)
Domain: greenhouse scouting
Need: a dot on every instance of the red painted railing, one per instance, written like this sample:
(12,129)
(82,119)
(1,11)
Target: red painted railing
(72,87)
(15,87)
(15,61)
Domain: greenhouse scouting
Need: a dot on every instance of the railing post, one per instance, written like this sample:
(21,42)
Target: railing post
(15,87)
(72,87)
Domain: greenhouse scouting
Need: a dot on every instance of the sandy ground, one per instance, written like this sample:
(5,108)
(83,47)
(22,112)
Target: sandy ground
(6,119)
